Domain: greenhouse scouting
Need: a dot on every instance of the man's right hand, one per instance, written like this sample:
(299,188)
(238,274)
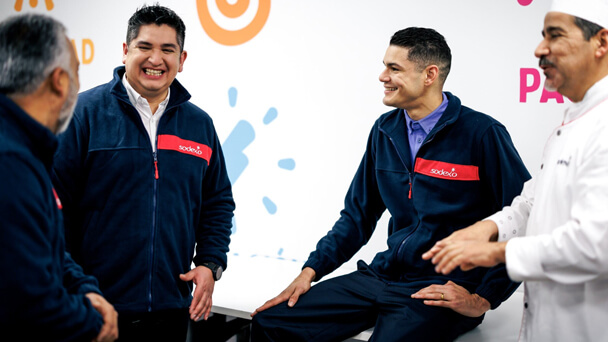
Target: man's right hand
(299,286)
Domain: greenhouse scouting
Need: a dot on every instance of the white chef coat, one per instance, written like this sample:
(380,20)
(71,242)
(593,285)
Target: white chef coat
(563,214)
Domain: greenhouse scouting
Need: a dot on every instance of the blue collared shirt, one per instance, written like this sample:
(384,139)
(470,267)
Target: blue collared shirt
(417,131)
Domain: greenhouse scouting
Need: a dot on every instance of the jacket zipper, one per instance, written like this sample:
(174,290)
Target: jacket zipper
(154,199)
(410,190)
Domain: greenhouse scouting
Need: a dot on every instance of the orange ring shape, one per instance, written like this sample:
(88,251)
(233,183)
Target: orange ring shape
(231,38)
(232,11)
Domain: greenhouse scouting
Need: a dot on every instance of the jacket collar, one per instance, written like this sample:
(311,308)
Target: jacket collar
(36,137)
(179,94)
(395,126)
(394,123)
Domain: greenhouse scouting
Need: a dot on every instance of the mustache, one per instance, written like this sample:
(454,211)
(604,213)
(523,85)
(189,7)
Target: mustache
(545,62)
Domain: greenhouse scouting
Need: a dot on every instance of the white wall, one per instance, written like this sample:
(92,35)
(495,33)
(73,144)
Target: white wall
(316,63)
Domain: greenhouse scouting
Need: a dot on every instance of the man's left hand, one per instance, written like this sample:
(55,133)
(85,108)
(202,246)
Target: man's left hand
(109,329)
(453,296)
(202,277)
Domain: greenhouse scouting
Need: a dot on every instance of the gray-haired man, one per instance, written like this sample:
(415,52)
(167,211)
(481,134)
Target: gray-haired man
(44,293)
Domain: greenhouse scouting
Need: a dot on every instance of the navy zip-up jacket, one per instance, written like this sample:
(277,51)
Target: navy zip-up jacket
(134,217)
(42,290)
(466,169)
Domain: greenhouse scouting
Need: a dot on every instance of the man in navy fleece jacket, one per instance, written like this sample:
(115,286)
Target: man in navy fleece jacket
(44,294)
(436,166)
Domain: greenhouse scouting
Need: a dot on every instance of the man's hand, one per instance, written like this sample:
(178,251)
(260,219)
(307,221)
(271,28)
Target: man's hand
(453,296)
(298,287)
(201,304)
(481,231)
(109,329)
(468,255)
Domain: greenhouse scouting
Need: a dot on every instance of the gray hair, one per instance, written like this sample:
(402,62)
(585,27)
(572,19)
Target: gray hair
(31,47)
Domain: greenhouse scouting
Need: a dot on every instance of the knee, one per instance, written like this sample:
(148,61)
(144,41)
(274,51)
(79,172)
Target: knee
(259,327)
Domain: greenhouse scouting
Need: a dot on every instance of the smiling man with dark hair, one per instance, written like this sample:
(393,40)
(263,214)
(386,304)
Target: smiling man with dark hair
(145,187)
(436,166)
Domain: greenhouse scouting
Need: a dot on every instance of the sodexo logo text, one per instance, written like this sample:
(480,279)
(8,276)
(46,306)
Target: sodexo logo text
(445,173)
(191,149)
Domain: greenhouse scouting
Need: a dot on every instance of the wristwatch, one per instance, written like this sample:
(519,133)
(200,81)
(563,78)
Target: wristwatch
(215,269)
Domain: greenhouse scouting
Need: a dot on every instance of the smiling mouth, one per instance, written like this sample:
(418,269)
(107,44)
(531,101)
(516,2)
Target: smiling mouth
(390,89)
(152,72)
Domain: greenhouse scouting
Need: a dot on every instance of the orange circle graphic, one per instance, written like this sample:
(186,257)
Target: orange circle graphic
(227,37)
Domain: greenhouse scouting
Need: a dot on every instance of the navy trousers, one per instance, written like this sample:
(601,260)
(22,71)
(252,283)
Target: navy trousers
(165,326)
(341,307)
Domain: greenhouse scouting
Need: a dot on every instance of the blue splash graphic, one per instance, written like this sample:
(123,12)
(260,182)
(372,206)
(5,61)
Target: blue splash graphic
(287,164)
(232,92)
(270,206)
(271,114)
(236,161)
(241,136)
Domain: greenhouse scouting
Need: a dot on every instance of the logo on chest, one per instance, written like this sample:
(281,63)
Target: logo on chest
(564,162)
(175,143)
(443,170)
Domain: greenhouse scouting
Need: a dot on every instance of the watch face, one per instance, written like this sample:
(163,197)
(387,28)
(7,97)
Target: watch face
(218,273)
(216,270)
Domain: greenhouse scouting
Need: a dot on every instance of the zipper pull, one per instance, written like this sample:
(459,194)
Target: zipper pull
(155,166)
(409,196)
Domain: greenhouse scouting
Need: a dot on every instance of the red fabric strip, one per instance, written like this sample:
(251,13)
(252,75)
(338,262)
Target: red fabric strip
(175,143)
(444,170)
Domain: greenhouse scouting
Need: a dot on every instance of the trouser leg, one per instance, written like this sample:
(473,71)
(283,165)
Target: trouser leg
(332,310)
(165,325)
(402,318)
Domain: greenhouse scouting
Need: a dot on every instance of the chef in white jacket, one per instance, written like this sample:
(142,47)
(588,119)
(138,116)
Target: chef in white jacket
(554,236)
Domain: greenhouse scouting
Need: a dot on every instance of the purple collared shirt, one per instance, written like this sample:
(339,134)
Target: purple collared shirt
(418,130)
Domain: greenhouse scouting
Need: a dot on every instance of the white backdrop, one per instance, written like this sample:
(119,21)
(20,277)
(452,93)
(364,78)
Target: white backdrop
(293,105)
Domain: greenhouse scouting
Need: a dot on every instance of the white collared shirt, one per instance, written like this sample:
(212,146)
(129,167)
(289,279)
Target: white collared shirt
(149,119)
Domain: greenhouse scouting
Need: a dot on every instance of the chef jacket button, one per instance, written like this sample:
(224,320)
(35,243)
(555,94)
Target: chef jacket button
(559,132)
(526,305)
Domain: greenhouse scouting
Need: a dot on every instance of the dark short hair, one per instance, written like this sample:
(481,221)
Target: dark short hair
(589,29)
(159,15)
(426,47)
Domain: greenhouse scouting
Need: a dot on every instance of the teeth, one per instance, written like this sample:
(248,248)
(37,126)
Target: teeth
(391,89)
(153,72)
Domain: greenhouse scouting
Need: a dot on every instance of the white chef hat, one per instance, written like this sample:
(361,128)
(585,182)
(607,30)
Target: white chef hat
(595,11)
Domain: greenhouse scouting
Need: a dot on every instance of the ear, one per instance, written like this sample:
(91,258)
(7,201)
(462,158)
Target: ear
(431,73)
(59,82)
(125,50)
(602,43)
(182,59)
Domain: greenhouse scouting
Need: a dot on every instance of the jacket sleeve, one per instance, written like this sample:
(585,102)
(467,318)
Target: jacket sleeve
(512,220)
(213,233)
(33,268)
(363,207)
(504,173)
(74,279)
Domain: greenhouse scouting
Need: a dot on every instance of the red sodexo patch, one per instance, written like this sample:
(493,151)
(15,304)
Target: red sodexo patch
(444,170)
(175,143)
